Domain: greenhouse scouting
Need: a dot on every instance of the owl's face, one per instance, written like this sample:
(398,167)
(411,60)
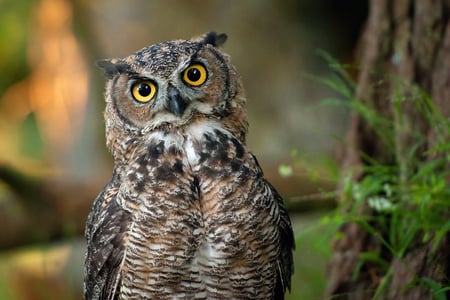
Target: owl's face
(169,85)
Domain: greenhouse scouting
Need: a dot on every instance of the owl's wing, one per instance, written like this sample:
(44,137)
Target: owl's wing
(106,227)
(287,244)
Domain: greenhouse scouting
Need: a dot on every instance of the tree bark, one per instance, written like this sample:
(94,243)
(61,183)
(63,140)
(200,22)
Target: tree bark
(407,41)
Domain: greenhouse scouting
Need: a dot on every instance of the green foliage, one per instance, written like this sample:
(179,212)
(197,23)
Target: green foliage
(439,292)
(404,200)
(401,204)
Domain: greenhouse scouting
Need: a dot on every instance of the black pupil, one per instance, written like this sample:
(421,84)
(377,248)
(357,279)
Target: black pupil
(144,89)
(193,74)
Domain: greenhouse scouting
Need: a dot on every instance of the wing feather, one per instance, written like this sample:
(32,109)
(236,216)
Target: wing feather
(287,244)
(285,260)
(106,228)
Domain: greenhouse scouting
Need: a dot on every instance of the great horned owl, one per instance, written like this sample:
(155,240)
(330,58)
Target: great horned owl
(188,213)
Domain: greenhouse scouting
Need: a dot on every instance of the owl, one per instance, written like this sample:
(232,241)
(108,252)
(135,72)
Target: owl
(187,213)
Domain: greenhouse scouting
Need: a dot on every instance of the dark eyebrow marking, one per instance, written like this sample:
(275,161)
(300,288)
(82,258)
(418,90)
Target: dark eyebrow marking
(112,67)
(214,39)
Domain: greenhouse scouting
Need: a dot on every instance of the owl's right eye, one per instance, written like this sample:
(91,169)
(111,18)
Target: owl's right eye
(143,91)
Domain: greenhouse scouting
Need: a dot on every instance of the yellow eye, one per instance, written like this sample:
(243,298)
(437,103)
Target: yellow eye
(195,75)
(143,91)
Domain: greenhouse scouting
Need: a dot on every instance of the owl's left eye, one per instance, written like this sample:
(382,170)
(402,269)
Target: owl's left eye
(143,91)
(195,75)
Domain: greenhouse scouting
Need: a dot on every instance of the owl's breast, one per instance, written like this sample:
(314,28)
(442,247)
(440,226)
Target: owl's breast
(238,214)
(202,215)
(159,190)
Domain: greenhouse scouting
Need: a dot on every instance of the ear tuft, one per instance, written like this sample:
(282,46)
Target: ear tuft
(112,67)
(214,39)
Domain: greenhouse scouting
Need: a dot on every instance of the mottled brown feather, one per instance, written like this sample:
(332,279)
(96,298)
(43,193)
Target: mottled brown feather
(188,213)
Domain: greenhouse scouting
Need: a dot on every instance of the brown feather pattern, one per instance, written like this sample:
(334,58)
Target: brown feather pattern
(188,213)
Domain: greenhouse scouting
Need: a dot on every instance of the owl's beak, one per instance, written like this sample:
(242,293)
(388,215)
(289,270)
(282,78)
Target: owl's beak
(175,103)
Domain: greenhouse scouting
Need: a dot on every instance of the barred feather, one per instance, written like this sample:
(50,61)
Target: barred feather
(188,213)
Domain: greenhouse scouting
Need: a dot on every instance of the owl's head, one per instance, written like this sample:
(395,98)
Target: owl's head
(169,85)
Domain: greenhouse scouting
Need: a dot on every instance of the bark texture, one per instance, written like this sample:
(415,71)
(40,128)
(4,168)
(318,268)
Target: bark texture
(407,41)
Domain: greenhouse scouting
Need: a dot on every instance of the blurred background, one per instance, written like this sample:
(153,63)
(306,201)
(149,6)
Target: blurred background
(53,159)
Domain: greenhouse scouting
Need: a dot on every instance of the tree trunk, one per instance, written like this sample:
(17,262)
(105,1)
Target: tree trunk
(404,41)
